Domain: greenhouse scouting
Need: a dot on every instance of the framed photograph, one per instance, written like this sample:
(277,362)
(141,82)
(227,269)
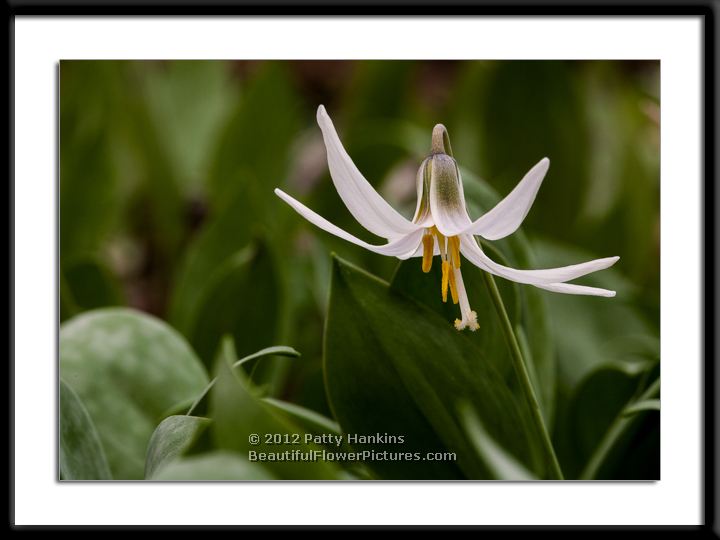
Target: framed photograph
(442,264)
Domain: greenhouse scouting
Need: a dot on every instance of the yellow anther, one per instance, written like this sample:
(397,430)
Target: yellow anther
(441,243)
(453,286)
(454,249)
(428,245)
(446,272)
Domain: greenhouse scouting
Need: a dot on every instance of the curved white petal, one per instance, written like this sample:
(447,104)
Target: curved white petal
(402,247)
(447,197)
(569,288)
(473,253)
(420,250)
(364,203)
(507,215)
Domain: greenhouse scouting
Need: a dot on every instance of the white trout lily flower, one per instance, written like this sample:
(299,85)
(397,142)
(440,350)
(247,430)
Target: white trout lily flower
(441,225)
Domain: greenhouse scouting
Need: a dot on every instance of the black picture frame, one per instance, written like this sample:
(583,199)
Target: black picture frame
(705,9)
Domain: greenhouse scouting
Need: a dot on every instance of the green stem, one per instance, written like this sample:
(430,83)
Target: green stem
(616,429)
(522,375)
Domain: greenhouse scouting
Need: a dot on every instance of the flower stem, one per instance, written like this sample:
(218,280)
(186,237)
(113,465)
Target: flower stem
(522,374)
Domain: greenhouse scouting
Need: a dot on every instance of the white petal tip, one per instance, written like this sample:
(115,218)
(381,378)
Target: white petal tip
(610,294)
(542,165)
(278,191)
(321,112)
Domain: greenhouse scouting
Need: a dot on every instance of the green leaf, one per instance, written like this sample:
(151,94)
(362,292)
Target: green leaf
(171,439)
(410,280)
(600,397)
(395,366)
(81,453)
(251,158)
(239,415)
(199,404)
(502,465)
(240,298)
(534,321)
(629,448)
(646,405)
(252,153)
(188,102)
(312,421)
(520,100)
(89,186)
(129,369)
(592,428)
(216,465)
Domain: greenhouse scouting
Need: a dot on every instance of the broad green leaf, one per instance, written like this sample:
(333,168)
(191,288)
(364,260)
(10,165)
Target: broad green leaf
(199,404)
(216,465)
(526,304)
(188,101)
(89,187)
(238,294)
(81,453)
(86,284)
(240,298)
(252,153)
(173,436)
(128,368)
(410,280)
(502,465)
(395,366)
(239,415)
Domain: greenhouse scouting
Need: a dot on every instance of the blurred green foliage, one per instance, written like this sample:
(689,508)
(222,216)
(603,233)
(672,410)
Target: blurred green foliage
(167,171)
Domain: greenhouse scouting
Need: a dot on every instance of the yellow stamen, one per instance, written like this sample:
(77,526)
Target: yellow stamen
(428,245)
(453,287)
(446,272)
(454,249)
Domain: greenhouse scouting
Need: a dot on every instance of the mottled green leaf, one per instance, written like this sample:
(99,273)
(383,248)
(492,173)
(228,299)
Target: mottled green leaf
(81,453)
(128,369)
(216,465)
(173,436)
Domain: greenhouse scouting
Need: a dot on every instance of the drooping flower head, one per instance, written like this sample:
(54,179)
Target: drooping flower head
(441,225)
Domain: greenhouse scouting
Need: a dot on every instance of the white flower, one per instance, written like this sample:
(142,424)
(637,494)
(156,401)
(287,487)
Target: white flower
(441,225)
